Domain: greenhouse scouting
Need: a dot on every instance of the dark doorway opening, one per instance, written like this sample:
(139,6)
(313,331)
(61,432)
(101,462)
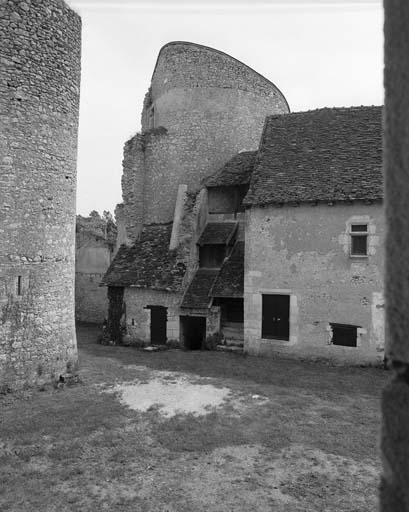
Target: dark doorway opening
(159,318)
(344,335)
(193,331)
(232,320)
(276,317)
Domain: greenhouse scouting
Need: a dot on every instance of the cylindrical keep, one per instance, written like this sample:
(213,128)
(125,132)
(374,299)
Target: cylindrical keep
(40,61)
(203,107)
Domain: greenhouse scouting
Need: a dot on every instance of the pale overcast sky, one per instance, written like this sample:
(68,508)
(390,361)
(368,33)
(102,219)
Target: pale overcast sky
(320,53)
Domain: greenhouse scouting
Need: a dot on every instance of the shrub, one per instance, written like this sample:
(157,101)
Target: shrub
(211,342)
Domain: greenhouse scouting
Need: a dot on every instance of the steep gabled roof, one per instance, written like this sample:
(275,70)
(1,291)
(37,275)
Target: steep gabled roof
(330,154)
(148,263)
(217,233)
(230,281)
(237,171)
(197,294)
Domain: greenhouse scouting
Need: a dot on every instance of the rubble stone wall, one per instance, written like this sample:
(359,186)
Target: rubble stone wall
(138,318)
(39,103)
(394,495)
(204,107)
(91,300)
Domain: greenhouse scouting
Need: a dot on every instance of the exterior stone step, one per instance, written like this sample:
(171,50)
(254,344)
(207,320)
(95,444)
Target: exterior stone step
(233,342)
(230,348)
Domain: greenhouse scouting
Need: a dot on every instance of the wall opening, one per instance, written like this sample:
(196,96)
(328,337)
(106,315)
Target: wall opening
(276,317)
(159,318)
(19,285)
(193,331)
(359,239)
(344,334)
(232,319)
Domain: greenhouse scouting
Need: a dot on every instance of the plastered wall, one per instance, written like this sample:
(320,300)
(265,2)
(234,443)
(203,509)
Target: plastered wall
(39,100)
(304,252)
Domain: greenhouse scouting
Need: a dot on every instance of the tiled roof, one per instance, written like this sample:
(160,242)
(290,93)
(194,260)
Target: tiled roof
(237,171)
(230,281)
(330,154)
(197,294)
(216,233)
(148,263)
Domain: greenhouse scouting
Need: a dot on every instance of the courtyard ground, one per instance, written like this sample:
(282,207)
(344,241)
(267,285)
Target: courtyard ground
(177,431)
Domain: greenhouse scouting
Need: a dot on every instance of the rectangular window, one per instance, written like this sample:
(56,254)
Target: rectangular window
(359,239)
(276,317)
(344,335)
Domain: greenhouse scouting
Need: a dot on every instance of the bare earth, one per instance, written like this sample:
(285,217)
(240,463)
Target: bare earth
(182,431)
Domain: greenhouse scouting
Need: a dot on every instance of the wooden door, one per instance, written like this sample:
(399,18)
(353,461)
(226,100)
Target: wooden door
(158,325)
(276,317)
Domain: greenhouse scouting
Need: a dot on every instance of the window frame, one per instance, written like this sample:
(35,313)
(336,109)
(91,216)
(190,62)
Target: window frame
(357,234)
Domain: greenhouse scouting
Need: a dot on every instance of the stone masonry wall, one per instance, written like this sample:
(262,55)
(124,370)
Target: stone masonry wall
(394,488)
(39,101)
(91,301)
(95,243)
(181,64)
(133,180)
(92,261)
(304,252)
(205,107)
(138,318)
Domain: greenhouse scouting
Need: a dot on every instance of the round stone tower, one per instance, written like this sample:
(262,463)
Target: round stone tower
(203,107)
(39,101)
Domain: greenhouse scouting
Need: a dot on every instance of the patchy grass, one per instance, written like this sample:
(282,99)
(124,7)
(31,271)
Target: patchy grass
(291,437)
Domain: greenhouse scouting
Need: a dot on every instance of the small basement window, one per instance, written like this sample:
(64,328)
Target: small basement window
(344,335)
(359,239)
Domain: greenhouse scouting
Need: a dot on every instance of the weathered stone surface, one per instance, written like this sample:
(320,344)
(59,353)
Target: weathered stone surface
(203,108)
(395,445)
(305,252)
(39,101)
(396,164)
(395,402)
(94,251)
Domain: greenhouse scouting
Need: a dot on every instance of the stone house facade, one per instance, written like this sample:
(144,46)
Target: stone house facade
(272,245)
(315,232)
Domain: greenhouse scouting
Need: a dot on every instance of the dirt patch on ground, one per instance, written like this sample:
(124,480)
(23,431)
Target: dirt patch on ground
(171,394)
